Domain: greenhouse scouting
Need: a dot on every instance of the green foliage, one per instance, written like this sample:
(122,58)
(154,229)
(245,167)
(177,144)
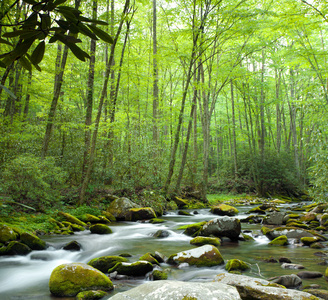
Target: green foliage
(32,181)
(84,209)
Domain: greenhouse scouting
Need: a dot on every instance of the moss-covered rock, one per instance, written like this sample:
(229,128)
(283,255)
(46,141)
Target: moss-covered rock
(17,248)
(279,241)
(88,218)
(68,280)
(224,210)
(90,295)
(310,240)
(257,210)
(322,294)
(265,230)
(120,207)
(236,265)
(247,237)
(317,245)
(293,223)
(135,269)
(100,229)
(206,255)
(73,246)
(192,229)
(31,240)
(108,216)
(149,257)
(203,240)
(161,234)
(156,221)
(7,234)
(222,227)
(71,219)
(184,213)
(74,227)
(307,218)
(104,263)
(159,275)
(181,202)
(143,213)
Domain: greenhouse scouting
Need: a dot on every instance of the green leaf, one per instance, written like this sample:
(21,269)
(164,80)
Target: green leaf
(2,65)
(32,2)
(86,31)
(3,41)
(99,22)
(8,91)
(15,33)
(35,65)
(38,53)
(101,34)
(78,52)
(68,14)
(25,63)
(63,24)
(58,2)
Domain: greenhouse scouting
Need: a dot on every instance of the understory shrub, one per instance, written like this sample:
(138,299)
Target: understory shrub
(33,181)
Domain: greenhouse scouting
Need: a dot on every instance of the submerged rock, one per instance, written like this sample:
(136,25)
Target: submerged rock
(206,255)
(222,227)
(161,234)
(177,290)
(120,207)
(73,246)
(224,210)
(68,280)
(104,263)
(31,240)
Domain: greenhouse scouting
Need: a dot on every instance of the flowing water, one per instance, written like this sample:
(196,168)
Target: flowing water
(26,277)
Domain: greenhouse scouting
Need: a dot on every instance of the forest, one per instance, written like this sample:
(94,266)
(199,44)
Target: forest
(191,96)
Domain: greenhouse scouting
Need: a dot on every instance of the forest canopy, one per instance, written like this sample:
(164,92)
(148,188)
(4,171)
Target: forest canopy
(194,95)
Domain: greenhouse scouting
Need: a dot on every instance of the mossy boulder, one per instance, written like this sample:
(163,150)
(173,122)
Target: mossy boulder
(236,265)
(143,213)
(135,269)
(265,230)
(73,246)
(120,207)
(31,240)
(156,221)
(257,210)
(149,257)
(161,234)
(310,240)
(247,237)
(67,280)
(7,234)
(181,202)
(159,275)
(108,216)
(74,227)
(307,218)
(100,229)
(204,256)
(279,241)
(91,295)
(204,240)
(88,218)
(104,263)
(184,213)
(17,248)
(192,229)
(322,294)
(71,219)
(290,232)
(224,210)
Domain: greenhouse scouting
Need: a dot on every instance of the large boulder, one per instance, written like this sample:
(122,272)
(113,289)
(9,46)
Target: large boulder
(206,255)
(136,269)
(168,290)
(71,219)
(224,210)
(104,263)
(143,213)
(276,218)
(120,207)
(7,234)
(222,227)
(17,248)
(68,280)
(260,289)
(31,240)
(289,232)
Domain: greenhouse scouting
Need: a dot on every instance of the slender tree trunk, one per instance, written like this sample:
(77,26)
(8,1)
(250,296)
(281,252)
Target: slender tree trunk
(234,130)
(28,97)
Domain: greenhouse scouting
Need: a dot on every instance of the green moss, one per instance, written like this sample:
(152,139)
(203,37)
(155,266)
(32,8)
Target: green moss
(188,298)
(224,209)
(310,240)
(192,229)
(100,229)
(202,240)
(149,257)
(7,234)
(247,237)
(279,241)
(236,265)
(68,217)
(32,241)
(139,268)
(90,295)
(159,275)
(156,221)
(104,263)
(265,230)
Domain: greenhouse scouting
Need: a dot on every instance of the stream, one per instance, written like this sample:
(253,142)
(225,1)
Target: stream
(26,277)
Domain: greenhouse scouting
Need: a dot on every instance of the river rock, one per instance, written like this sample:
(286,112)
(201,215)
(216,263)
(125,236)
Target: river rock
(104,263)
(73,246)
(258,289)
(222,227)
(307,241)
(192,229)
(159,275)
(292,266)
(108,216)
(184,213)
(71,219)
(17,248)
(206,255)
(149,257)
(161,234)
(289,281)
(180,202)
(74,227)
(7,234)
(31,240)
(279,241)
(204,240)
(139,268)
(275,218)
(120,207)
(236,265)
(143,213)
(291,233)
(168,290)
(100,229)
(323,294)
(309,274)
(224,210)
(90,295)
(90,218)
(67,280)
